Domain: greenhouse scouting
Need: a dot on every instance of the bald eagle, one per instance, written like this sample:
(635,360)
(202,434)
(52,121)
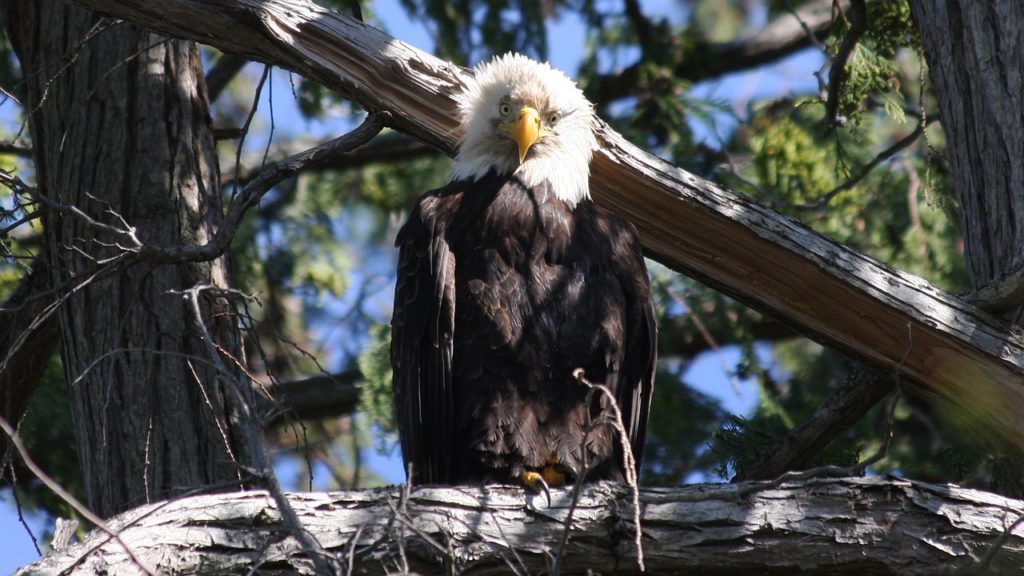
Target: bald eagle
(509,279)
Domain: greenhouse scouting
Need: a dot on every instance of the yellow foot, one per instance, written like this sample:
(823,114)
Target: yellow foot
(535,482)
(554,476)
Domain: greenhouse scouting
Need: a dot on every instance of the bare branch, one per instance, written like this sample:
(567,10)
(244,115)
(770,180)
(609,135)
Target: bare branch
(224,71)
(388,147)
(778,39)
(253,436)
(250,195)
(79,508)
(857,17)
(628,461)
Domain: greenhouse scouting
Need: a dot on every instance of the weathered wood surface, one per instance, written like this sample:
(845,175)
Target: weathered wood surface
(829,526)
(834,294)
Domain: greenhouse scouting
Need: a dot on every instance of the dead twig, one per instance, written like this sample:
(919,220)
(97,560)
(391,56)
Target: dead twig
(629,465)
(250,196)
(324,562)
(67,497)
(866,169)
(985,562)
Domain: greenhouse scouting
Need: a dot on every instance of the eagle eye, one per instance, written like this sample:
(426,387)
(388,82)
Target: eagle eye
(504,109)
(553,118)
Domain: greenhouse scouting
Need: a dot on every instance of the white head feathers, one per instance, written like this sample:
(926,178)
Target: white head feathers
(488,106)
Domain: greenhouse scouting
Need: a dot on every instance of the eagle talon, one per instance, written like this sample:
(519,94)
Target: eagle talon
(534,481)
(555,475)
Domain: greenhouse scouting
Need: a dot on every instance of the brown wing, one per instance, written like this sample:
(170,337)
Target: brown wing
(636,384)
(422,327)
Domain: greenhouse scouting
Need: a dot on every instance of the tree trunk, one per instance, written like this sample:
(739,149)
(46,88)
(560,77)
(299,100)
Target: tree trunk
(121,131)
(975,50)
(834,526)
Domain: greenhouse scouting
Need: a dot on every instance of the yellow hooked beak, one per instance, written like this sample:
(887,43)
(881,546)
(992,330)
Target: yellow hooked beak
(526,130)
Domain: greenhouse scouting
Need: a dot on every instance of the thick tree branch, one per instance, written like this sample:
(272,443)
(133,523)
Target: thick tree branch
(857,17)
(778,39)
(841,409)
(320,396)
(227,67)
(894,527)
(837,295)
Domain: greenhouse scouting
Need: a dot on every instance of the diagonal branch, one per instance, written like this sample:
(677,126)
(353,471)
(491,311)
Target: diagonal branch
(318,157)
(76,505)
(857,16)
(780,38)
(842,409)
(866,169)
(222,72)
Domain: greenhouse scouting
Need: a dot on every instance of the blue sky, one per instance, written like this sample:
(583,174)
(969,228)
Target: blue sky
(793,75)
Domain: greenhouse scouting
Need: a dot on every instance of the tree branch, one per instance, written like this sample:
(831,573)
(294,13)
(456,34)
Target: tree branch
(15,149)
(858,19)
(866,169)
(317,157)
(841,409)
(320,396)
(783,36)
(896,527)
(389,147)
(227,67)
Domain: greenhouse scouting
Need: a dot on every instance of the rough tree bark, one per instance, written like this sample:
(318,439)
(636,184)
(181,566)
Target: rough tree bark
(120,126)
(835,526)
(974,50)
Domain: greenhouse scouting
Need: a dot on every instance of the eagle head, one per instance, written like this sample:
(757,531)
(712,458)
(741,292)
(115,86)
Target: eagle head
(524,117)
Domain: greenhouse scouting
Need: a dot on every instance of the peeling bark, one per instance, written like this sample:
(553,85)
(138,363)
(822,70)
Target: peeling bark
(830,526)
